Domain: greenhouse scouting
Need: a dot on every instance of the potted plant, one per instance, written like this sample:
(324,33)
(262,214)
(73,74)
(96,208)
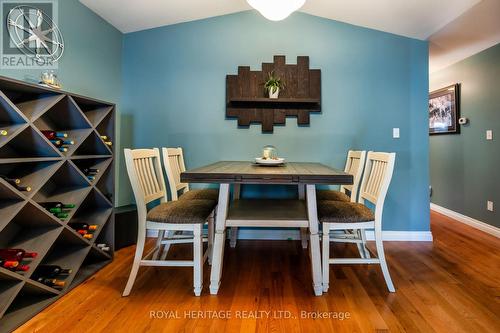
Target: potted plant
(273,85)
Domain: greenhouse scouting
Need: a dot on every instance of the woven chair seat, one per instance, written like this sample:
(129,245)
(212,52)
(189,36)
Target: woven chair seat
(343,212)
(182,211)
(205,194)
(332,195)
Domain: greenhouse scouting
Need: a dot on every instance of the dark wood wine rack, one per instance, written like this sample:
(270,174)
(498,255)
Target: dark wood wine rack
(25,110)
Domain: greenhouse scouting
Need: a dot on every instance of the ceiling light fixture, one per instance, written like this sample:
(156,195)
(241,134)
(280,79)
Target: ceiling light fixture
(276,10)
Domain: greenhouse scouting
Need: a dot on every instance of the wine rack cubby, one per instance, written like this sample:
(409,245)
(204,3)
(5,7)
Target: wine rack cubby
(52,174)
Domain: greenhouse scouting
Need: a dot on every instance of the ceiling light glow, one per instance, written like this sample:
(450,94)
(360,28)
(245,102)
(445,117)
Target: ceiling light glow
(276,10)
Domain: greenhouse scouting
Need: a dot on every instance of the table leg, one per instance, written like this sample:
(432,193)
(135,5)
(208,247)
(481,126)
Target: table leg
(315,255)
(303,231)
(234,230)
(220,237)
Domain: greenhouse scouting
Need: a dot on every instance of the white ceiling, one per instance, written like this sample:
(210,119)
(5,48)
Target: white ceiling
(411,18)
(472,32)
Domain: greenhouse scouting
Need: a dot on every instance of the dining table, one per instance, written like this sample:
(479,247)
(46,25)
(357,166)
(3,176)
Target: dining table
(289,213)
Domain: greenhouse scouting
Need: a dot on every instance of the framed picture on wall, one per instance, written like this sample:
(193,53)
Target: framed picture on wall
(444,110)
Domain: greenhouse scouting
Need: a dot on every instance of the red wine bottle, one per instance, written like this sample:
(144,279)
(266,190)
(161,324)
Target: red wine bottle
(53,134)
(83,226)
(22,268)
(9,264)
(56,204)
(54,283)
(51,271)
(16,254)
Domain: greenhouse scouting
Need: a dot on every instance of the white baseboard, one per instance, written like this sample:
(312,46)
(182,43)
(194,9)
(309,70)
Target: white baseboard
(293,234)
(485,227)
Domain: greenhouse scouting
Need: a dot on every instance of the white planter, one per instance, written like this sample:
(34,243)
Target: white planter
(274,94)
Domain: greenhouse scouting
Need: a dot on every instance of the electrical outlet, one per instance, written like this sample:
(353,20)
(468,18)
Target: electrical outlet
(489,206)
(489,135)
(395,133)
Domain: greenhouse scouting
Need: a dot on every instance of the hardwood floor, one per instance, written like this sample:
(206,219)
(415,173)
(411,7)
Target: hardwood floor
(450,285)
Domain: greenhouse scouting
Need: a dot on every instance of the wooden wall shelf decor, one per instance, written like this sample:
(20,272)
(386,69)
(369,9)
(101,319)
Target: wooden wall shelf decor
(246,98)
(54,176)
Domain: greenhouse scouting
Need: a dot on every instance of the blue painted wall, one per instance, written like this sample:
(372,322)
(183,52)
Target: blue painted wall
(464,168)
(174,95)
(91,64)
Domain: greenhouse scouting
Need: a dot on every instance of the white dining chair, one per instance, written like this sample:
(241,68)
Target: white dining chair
(173,161)
(339,215)
(146,177)
(354,165)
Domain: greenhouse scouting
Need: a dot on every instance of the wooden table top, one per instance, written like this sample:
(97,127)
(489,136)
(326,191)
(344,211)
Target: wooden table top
(251,173)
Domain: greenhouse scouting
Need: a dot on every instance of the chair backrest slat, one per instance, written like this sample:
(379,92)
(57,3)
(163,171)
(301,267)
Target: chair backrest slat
(173,160)
(377,177)
(145,174)
(354,166)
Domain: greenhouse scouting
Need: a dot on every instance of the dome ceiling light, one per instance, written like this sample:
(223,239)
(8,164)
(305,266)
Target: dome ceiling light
(276,10)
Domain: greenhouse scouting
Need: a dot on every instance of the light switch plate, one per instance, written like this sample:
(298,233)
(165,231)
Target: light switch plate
(489,135)
(489,206)
(395,133)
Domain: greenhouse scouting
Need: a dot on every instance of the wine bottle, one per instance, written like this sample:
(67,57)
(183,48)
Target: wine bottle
(103,247)
(56,204)
(53,134)
(23,188)
(4,133)
(90,171)
(11,181)
(16,254)
(62,143)
(82,232)
(51,282)
(9,264)
(61,215)
(63,149)
(57,143)
(91,178)
(51,271)
(83,226)
(22,268)
(108,143)
(88,236)
(104,137)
